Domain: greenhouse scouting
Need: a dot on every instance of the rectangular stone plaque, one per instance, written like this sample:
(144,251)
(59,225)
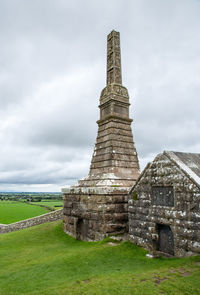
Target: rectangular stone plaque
(120,110)
(163,195)
(106,111)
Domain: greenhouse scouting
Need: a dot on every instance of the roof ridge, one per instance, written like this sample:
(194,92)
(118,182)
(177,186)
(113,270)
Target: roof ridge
(186,169)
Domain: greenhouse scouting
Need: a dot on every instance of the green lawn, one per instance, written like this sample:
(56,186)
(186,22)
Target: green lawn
(44,260)
(11,211)
(51,204)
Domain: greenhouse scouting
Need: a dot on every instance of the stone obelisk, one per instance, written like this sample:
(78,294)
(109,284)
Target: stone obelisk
(114,160)
(97,205)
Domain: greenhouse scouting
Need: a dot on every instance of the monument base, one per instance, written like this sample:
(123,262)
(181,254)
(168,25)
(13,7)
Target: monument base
(93,213)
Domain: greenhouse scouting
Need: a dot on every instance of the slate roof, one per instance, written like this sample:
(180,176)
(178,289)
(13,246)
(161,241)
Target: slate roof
(188,162)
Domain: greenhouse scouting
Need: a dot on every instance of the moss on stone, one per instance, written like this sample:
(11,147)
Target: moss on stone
(135,196)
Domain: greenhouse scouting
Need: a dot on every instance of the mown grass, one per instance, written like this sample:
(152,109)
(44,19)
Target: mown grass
(52,204)
(11,211)
(44,260)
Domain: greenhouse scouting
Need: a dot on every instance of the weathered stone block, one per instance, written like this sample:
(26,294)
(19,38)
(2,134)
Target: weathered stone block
(66,211)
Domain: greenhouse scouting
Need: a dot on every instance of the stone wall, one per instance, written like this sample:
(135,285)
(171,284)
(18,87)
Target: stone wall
(183,217)
(48,217)
(91,214)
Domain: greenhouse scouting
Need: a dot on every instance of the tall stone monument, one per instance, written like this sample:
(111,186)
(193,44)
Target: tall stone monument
(97,205)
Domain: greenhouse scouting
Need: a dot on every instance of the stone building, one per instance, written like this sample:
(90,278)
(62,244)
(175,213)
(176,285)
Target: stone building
(164,205)
(97,205)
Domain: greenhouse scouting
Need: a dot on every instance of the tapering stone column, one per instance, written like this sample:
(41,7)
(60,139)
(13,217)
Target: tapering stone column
(114,160)
(97,205)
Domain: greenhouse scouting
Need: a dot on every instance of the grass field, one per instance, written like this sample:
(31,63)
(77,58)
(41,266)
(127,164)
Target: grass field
(51,204)
(44,260)
(11,211)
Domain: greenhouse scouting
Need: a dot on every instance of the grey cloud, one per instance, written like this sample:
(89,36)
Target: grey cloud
(52,61)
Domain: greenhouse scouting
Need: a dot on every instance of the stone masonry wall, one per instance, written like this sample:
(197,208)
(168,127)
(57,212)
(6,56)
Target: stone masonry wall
(92,214)
(48,217)
(183,218)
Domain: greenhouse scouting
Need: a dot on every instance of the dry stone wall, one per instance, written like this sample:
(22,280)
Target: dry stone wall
(48,217)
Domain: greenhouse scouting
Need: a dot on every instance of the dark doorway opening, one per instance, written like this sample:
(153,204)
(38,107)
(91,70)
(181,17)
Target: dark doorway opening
(165,239)
(81,229)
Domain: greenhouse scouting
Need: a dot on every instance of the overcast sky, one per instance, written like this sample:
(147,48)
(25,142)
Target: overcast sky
(53,68)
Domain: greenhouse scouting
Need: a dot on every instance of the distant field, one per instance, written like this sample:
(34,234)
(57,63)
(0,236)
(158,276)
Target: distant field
(43,260)
(11,211)
(52,204)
